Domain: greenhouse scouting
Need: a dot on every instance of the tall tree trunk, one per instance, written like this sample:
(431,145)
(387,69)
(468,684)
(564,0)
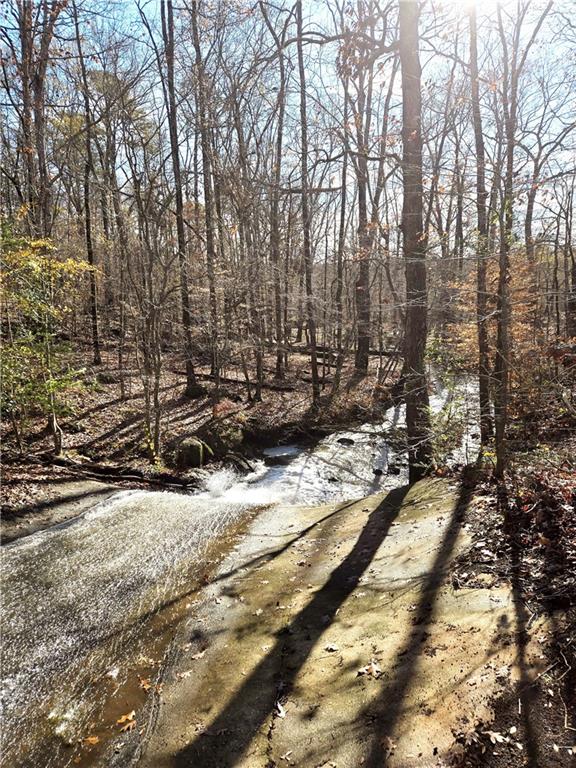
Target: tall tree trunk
(365,239)
(192,387)
(203,109)
(513,67)
(340,260)
(275,198)
(308,264)
(88,169)
(416,387)
(482,252)
(570,260)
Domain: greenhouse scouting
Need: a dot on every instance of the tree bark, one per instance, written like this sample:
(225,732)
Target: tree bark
(88,169)
(308,264)
(483,237)
(202,111)
(416,386)
(192,387)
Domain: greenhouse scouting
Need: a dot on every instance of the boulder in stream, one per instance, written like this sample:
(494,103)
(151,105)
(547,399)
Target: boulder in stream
(215,439)
(191,452)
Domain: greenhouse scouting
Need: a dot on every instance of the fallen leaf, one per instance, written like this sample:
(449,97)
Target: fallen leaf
(126,718)
(496,737)
(372,669)
(145,683)
(90,740)
(199,655)
(389,746)
(280,711)
(331,647)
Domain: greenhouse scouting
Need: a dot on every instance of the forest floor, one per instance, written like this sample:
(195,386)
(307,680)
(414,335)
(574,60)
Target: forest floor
(104,436)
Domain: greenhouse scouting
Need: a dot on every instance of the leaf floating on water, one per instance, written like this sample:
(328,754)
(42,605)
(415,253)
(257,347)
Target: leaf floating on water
(128,727)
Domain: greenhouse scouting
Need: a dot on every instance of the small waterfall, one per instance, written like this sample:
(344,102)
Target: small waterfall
(78,598)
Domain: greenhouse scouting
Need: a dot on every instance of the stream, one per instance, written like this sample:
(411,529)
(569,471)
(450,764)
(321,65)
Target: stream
(90,605)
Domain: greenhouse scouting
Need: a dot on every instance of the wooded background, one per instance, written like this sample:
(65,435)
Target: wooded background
(235,182)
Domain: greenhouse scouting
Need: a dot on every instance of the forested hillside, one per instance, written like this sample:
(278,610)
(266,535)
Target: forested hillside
(252,193)
(288,291)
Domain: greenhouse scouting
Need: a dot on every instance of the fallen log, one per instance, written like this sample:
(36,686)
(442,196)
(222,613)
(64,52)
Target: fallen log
(115,472)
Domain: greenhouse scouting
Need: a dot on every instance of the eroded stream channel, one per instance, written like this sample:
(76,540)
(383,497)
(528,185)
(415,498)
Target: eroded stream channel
(90,606)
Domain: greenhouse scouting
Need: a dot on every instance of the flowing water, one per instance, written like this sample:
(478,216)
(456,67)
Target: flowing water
(85,601)
(351,463)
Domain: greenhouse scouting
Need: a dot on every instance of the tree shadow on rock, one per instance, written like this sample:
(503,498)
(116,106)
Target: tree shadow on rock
(230,734)
(389,706)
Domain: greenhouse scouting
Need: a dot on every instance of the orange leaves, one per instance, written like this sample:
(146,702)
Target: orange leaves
(145,683)
(127,722)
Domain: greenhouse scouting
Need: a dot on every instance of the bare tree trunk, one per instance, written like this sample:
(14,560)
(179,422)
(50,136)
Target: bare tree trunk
(306,211)
(88,169)
(192,387)
(416,386)
(512,71)
(275,201)
(203,110)
(570,259)
(340,268)
(482,254)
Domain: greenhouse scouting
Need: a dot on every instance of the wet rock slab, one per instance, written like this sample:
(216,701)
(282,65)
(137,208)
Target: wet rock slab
(334,636)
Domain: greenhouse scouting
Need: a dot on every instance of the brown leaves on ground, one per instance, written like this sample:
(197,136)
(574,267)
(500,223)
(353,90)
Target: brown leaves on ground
(127,722)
